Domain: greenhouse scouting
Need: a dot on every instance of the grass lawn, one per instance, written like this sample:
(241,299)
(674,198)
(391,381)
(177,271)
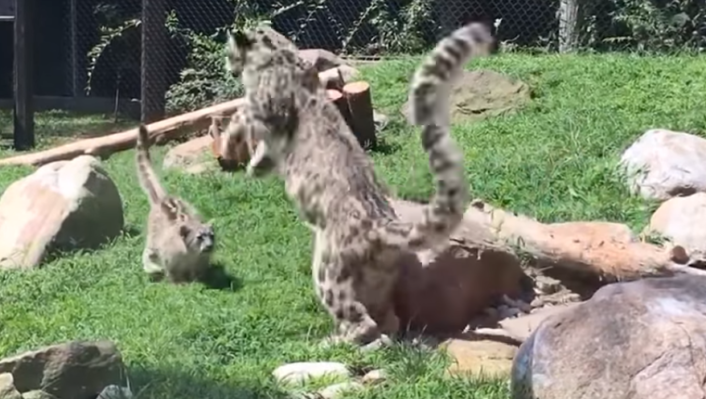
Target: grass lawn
(554,160)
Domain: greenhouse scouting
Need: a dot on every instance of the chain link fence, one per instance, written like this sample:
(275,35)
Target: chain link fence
(183,38)
(95,52)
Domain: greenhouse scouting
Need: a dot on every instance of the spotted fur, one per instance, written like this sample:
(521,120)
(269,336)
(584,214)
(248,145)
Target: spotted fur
(304,138)
(178,243)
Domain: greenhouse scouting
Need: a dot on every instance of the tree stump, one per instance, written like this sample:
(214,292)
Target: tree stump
(360,106)
(342,104)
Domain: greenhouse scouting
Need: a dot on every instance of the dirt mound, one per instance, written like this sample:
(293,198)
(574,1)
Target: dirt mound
(483,93)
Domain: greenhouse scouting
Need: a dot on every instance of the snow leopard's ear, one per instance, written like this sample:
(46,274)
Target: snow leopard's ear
(239,39)
(238,44)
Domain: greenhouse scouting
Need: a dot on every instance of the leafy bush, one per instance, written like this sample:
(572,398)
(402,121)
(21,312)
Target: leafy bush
(652,25)
(204,81)
(411,30)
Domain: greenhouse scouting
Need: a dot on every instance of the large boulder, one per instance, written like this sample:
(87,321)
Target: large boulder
(64,205)
(663,164)
(72,370)
(644,339)
(482,94)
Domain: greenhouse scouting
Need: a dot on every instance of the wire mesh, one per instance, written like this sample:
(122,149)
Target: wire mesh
(104,39)
(112,51)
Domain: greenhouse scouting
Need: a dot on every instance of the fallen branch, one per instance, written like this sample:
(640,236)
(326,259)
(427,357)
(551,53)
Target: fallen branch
(161,132)
(103,147)
(600,251)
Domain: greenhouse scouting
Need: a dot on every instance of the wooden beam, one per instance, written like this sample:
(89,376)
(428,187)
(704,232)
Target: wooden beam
(105,146)
(24,79)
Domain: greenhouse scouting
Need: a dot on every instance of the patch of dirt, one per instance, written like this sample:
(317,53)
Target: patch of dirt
(482,94)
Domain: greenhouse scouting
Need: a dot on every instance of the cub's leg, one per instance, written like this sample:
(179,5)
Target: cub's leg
(244,125)
(179,271)
(151,264)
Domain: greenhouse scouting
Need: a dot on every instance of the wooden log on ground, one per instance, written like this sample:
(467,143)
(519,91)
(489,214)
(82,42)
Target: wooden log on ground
(579,251)
(342,104)
(360,106)
(103,147)
(161,131)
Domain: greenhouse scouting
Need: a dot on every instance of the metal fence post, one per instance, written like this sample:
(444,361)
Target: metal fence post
(152,76)
(24,79)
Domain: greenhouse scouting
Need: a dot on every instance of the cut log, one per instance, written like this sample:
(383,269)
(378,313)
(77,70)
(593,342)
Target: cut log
(103,147)
(581,252)
(361,110)
(342,104)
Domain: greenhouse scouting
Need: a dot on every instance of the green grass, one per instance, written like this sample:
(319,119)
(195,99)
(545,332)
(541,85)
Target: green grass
(57,127)
(554,160)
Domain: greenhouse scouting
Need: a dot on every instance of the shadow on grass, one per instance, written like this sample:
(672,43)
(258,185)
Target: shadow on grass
(190,384)
(131,231)
(218,278)
(384,147)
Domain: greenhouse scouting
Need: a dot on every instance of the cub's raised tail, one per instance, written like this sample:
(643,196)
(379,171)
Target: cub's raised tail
(429,98)
(145,172)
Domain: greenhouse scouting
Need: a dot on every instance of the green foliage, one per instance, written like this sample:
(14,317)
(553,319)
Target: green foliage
(645,25)
(115,30)
(204,80)
(662,25)
(405,31)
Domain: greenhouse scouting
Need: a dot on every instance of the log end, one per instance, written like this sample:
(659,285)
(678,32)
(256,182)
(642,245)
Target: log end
(358,87)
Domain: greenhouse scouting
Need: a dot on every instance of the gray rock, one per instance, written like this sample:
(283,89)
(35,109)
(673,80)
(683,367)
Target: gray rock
(73,370)
(36,394)
(641,340)
(301,372)
(374,376)
(336,391)
(663,164)
(7,387)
